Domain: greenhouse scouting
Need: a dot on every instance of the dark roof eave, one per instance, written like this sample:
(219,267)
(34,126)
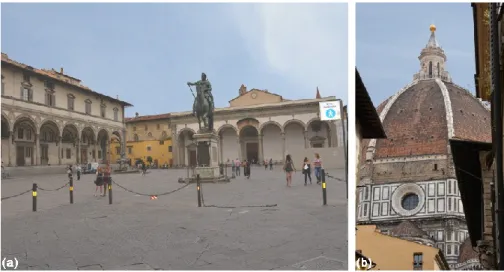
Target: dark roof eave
(468,171)
(366,114)
(123,103)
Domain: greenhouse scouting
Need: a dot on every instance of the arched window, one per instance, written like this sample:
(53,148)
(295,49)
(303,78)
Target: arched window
(438,70)
(430,68)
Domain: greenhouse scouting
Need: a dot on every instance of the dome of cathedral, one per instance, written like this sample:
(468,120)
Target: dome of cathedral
(422,117)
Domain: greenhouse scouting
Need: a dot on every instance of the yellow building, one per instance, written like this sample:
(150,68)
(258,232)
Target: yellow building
(148,135)
(412,251)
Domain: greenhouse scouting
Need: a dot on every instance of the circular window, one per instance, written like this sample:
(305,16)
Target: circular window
(408,199)
(410,202)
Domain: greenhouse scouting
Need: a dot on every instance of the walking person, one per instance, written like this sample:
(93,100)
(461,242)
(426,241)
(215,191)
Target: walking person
(79,170)
(306,170)
(99,181)
(288,168)
(271,164)
(144,169)
(237,164)
(317,164)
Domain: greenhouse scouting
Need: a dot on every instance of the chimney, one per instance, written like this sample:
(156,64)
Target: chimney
(61,71)
(136,114)
(242,90)
(317,96)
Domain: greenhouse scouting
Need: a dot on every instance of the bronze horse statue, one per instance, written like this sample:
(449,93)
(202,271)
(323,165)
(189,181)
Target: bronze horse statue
(203,104)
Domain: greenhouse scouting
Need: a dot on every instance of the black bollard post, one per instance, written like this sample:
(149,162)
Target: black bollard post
(34,198)
(324,193)
(110,191)
(198,184)
(71,189)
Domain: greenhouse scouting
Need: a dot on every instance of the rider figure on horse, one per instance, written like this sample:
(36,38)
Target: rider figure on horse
(206,87)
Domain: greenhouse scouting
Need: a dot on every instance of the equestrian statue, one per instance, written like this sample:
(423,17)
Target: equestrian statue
(203,107)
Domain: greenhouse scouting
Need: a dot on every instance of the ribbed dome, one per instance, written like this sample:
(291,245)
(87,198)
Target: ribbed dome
(422,118)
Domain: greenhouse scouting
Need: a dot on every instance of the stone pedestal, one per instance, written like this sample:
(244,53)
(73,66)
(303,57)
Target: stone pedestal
(207,154)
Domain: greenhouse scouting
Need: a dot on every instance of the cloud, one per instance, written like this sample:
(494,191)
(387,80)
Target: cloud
(304,43)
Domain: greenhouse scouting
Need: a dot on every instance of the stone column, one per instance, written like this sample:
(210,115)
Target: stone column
(78,157)
(306,140)
(239,148)
(10,148)
(221,149)
(260,155)
(175,145)
(59,150)
(283,146)
(37,149)
(96,150)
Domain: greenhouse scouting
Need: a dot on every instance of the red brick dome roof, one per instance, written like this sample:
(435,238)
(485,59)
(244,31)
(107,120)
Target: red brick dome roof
(421,119)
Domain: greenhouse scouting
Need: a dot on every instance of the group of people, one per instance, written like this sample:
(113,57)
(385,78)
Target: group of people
(102,179)
(317,166)
(236,165)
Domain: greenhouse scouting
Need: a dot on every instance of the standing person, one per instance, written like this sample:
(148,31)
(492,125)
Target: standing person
(144,169)
(317,164)
(265,164)
(99,180)
(306,170)
(79,170)
(271,164)
(106,178)
(246,168)
(288,168)
(237,164)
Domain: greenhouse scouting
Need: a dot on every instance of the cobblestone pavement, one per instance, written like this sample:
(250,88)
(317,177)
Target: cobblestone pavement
(171,232)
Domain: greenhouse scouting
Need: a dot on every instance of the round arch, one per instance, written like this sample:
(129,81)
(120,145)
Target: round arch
(26,122)
(227,126)
(319,133)
(69,133)
(88,135)
(6,127)
(49,131)
(294,121)
(272,144)
(103,144)
(186,150)
(249,142)
(189,130)
(270,123)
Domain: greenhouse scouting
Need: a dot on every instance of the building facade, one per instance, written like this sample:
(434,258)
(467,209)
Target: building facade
(146,136)
(411,174)
(259,125)
(409,252)
(50,118)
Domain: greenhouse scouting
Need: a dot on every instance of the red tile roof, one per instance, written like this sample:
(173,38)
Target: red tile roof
(147,118)
(58,76)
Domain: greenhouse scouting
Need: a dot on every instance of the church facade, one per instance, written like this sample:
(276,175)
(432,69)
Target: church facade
(259,125)
(410,176)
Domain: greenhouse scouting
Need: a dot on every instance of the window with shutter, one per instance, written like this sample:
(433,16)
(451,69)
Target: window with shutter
(70,101)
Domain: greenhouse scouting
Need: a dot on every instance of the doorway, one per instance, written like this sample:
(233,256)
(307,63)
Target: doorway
(252,150)
(84,157)
(20,157)
(192,158)
(44,154)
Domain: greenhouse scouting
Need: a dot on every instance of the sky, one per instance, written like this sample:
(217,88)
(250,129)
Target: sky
(391,36)
(146,53)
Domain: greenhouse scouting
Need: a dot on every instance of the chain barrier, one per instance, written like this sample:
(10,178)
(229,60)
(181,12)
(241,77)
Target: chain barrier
(143,194)
(232,207)
(54,190)
(329,176)
(20,194)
